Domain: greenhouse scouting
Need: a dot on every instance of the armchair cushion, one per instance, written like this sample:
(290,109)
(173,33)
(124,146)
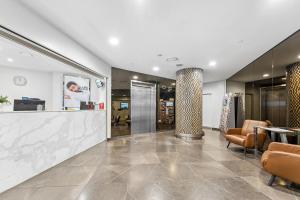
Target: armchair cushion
(248,126)
(250,143)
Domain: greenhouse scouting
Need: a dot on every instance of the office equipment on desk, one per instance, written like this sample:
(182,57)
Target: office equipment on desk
(87,105)
(29,104)
(84,105)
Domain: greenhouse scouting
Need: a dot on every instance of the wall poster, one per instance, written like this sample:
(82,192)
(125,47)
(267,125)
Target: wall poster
(76,91)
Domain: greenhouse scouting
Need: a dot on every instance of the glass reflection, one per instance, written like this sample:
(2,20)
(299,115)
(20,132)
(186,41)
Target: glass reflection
(272,86)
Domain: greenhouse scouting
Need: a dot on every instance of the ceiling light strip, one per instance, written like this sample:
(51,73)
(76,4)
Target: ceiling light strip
(11,35)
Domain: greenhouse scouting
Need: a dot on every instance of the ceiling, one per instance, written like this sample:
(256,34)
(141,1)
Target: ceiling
(233,32)
(284,54)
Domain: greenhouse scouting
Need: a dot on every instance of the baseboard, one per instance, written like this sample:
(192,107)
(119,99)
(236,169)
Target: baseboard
(214,129)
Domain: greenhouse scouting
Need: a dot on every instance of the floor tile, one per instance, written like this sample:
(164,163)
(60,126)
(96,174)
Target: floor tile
(155,166)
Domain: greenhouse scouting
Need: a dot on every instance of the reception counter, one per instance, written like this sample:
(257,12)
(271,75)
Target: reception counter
(32,142)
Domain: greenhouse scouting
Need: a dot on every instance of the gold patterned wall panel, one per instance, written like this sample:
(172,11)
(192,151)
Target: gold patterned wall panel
(189,103)
(293,90)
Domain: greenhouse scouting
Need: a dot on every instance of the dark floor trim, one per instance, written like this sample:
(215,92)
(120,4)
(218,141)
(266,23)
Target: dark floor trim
(214,129)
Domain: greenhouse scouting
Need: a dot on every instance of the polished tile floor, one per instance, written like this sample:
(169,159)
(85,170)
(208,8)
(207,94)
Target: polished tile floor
(155,166)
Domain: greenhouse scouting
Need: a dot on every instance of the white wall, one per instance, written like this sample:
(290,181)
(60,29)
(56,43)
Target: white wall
(39,85)
(212,103)
(15,16)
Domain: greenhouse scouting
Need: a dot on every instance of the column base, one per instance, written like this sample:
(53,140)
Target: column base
(185,136)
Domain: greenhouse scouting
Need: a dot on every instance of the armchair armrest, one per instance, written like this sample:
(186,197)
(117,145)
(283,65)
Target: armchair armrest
(289,148)
(250,139)
(234,131)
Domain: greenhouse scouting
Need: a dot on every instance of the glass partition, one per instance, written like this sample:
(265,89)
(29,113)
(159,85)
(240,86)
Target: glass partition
(272,85)
(33,81)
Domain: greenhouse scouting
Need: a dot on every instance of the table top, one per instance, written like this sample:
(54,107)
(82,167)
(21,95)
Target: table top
(275,129)
(282,130)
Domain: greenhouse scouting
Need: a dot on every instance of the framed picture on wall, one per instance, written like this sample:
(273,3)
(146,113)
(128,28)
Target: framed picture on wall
(76,90)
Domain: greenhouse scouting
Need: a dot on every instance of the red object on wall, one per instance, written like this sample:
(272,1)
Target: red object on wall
(101,106)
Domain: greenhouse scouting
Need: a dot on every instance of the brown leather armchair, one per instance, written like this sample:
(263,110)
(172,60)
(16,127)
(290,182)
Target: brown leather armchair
(282,160)
(245,136)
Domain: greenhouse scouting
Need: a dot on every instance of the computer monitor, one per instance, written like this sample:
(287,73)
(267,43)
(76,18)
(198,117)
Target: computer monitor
(28,105)
(124,105)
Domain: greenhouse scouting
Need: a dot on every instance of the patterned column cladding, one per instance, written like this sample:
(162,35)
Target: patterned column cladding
(189,103)
(293,91)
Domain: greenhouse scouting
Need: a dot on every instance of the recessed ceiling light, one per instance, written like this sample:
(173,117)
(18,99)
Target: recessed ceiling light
(113,41)
(155,68)
(172,59)
(299,56)
(173,84)
(212,63)
(266,75)
(26,54)
(10,60)
(135,77)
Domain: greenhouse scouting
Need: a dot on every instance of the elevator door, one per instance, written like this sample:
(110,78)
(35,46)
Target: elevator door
(273,105)
(143,107)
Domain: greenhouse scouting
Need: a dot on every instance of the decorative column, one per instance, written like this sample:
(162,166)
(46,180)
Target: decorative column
(189,103)
(293,95)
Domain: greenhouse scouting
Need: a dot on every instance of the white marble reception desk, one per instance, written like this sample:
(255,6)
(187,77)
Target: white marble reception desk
(32,142)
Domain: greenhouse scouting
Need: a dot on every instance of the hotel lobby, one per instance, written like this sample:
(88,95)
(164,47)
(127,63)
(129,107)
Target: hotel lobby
(139,99)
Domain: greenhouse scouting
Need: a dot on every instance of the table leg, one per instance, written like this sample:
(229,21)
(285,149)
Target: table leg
(273,136)
(283,138)
(255,142)
(298,139)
